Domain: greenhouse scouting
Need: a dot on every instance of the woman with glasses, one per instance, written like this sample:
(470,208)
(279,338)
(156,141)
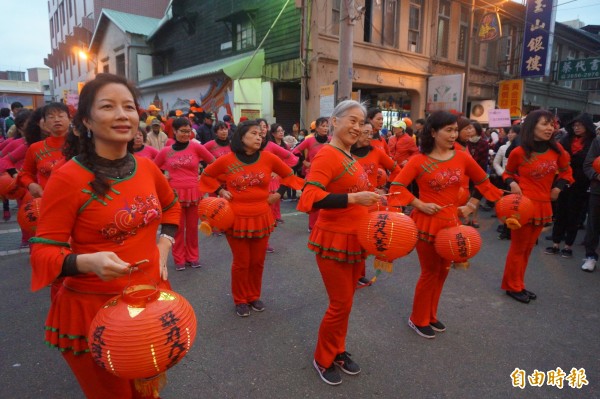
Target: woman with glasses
(181,162)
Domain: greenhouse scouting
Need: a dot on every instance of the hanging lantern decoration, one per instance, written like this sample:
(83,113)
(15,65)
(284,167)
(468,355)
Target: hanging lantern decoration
(463,196)
(458,244)
(387,235)
(596,164)
(29,214)
(381,177)
(215,212)
(140,334)
(9,189)
(515,210)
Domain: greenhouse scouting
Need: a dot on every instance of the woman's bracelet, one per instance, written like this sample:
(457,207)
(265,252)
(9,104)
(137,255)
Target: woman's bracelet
(168,237)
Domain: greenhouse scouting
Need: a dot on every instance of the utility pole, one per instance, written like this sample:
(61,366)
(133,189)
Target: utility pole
(344,89)
(468,60)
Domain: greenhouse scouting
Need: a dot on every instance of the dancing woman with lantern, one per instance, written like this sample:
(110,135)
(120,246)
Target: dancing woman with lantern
(338,186)
(439,171)
(100,215)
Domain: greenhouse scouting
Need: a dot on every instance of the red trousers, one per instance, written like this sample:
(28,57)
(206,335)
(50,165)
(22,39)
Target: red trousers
(521,244)
(340,282)
(276,209)
(97,383)
(247,267)
(312,219)
(434,270)
(186,239)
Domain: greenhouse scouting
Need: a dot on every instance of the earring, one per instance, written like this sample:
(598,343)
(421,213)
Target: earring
(89,134)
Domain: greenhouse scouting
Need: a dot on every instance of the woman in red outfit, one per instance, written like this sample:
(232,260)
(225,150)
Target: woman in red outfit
(100,214)
(338,186)
(539,169)
(246,171)
(439,171)
(140,148)
(375,116)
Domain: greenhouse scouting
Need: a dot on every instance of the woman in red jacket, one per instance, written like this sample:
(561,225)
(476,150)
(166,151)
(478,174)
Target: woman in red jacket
(338,186)
(439,171)
(246,171)
(539,169)
(100,215)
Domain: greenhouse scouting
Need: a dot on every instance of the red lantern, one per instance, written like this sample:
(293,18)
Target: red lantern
(381,177)
(515,210)
(142,333)
(596,164)
(9,188)
(388,236)
(457,244)
(29,214)
(215,212)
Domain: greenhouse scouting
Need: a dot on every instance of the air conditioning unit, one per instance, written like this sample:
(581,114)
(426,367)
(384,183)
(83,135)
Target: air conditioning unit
(479,110)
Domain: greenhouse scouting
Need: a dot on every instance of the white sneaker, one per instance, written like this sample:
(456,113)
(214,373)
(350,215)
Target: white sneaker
(589,265)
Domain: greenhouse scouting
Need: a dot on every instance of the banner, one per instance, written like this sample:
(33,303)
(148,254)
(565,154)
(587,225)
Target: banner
(538,37)
(510,96)
(579,69)
(445,93)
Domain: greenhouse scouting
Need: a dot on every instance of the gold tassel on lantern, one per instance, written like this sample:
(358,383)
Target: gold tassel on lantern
(461,265)
(151,387)
(380,264)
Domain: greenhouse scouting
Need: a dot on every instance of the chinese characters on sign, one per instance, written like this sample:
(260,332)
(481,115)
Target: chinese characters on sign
(510,96)
(557,378)
(537,40)
(579,69)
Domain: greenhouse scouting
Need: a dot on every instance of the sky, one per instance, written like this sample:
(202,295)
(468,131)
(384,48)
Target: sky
(25,35)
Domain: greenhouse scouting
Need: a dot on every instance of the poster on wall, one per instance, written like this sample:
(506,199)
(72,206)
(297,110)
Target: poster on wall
(326,100)
(445,93)
(499,118)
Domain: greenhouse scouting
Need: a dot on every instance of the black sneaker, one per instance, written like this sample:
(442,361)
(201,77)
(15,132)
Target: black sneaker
(329,375)
(346,364)
(438,326)
(530,294)
(425,332)
(566,253)
(242,310)
(364,281)
(257,306)
(552,251)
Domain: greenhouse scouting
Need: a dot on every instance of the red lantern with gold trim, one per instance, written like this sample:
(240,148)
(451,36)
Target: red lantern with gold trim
(29,214)
(381,177)
(9,188)
(388,236)
(515,210)
(596,164)
(215,212)
(457,244)
(140,334)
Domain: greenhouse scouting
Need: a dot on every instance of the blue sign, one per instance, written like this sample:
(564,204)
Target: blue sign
(537,40)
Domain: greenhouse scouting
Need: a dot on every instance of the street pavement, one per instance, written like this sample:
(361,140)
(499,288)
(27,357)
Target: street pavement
(269,354)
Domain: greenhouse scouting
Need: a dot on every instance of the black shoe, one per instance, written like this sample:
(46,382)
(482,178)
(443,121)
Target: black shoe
(566,253)
(329,375)
(425,332)
(530,294)
(518,296)
(500,228)
(552,251)
(346,364)
(364,281)
(257,306)
(438,326)
(242,310)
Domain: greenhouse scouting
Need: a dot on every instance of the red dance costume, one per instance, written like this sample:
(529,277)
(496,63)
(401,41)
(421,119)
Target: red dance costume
(377,159)
(217,149)
(334,241)
(249,235)
(75,220)
(439,182)
(40,159)
(535,175)
(380,143)
(290,160)
(146,152)
(182,166)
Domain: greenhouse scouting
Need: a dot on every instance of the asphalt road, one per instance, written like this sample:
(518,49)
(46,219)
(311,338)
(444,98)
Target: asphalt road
(269,354)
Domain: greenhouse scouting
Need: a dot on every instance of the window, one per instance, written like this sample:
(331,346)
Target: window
(335,17)
(70,6)
(121,65)
(492,55)
(415,26)
(245,35)
(51,28)
(160,64)
(62,13)
(381,22)
(443,32)
(105,68)
(463,34)
(56,22)
(475,45)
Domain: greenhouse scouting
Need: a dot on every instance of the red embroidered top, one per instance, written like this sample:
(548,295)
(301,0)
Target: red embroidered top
(249,186)
(439,182)
(535,176)
(217,149)
(40,159)
(335,233)
(381,144)
(374,160)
